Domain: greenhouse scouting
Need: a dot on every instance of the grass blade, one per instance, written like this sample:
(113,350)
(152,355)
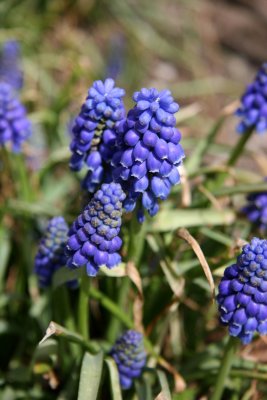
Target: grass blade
(169,220)
(114,379)
(90,376)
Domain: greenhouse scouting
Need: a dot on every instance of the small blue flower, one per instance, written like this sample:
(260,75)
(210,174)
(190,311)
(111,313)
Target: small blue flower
(256,209)
(93,239)
(242,297)
(15,127)
(130,357)
(253,108)
(149,153)
(51,252)
(94,137)
(10,70)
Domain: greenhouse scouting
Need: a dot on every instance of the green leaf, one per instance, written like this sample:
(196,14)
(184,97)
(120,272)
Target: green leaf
(114,379)
(5,252)
(90,376)
(168,220)
(165,390)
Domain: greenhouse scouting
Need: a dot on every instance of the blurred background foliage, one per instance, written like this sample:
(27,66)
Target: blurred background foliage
(204,52)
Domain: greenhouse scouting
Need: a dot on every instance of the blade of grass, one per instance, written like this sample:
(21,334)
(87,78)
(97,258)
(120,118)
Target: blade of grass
(90,376)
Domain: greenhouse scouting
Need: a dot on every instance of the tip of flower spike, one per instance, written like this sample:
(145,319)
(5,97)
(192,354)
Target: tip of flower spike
(242,297)
(93,239)
(15,127)
(10,70)
(130,357)
(149,151)
(253,109)
(51,252)
(94,137)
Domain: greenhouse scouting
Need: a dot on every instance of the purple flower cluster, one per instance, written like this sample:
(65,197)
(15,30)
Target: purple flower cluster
(93,239)
(130,357)
(93,133)
(10,70)
(149,153)
(256,209)
(51,252)
(15,127)
(253,109)
(242,297)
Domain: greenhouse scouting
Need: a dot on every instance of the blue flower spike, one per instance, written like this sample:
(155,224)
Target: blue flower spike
(94,137)
(51,252)
(15,127)
(10,69)
(130,357)
(242,298)
(94,237)
(253,108)
(256,209)
(149,153)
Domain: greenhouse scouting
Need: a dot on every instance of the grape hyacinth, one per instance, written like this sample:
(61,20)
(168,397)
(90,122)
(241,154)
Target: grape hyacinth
(242,297)
(93,133)
(253,109)
(256,209)
(93,239)
(130,357)
(149,153)
(51,252)
(10,70)
(15,127)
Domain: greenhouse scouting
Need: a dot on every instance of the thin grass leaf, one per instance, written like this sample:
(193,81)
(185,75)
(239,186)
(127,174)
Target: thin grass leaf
(239,189)
(143,388)
(31,210)
(90,376)
(217,236)
(114,379)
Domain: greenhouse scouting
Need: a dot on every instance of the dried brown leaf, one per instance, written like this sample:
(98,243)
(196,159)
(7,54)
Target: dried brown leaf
(184,234)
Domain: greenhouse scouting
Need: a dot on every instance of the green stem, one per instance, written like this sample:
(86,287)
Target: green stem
(136,240)
(20,169)
(224,368)
(135,249)
(193,163)
(65,304)
(237,150)
(83,307)
(112,307)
